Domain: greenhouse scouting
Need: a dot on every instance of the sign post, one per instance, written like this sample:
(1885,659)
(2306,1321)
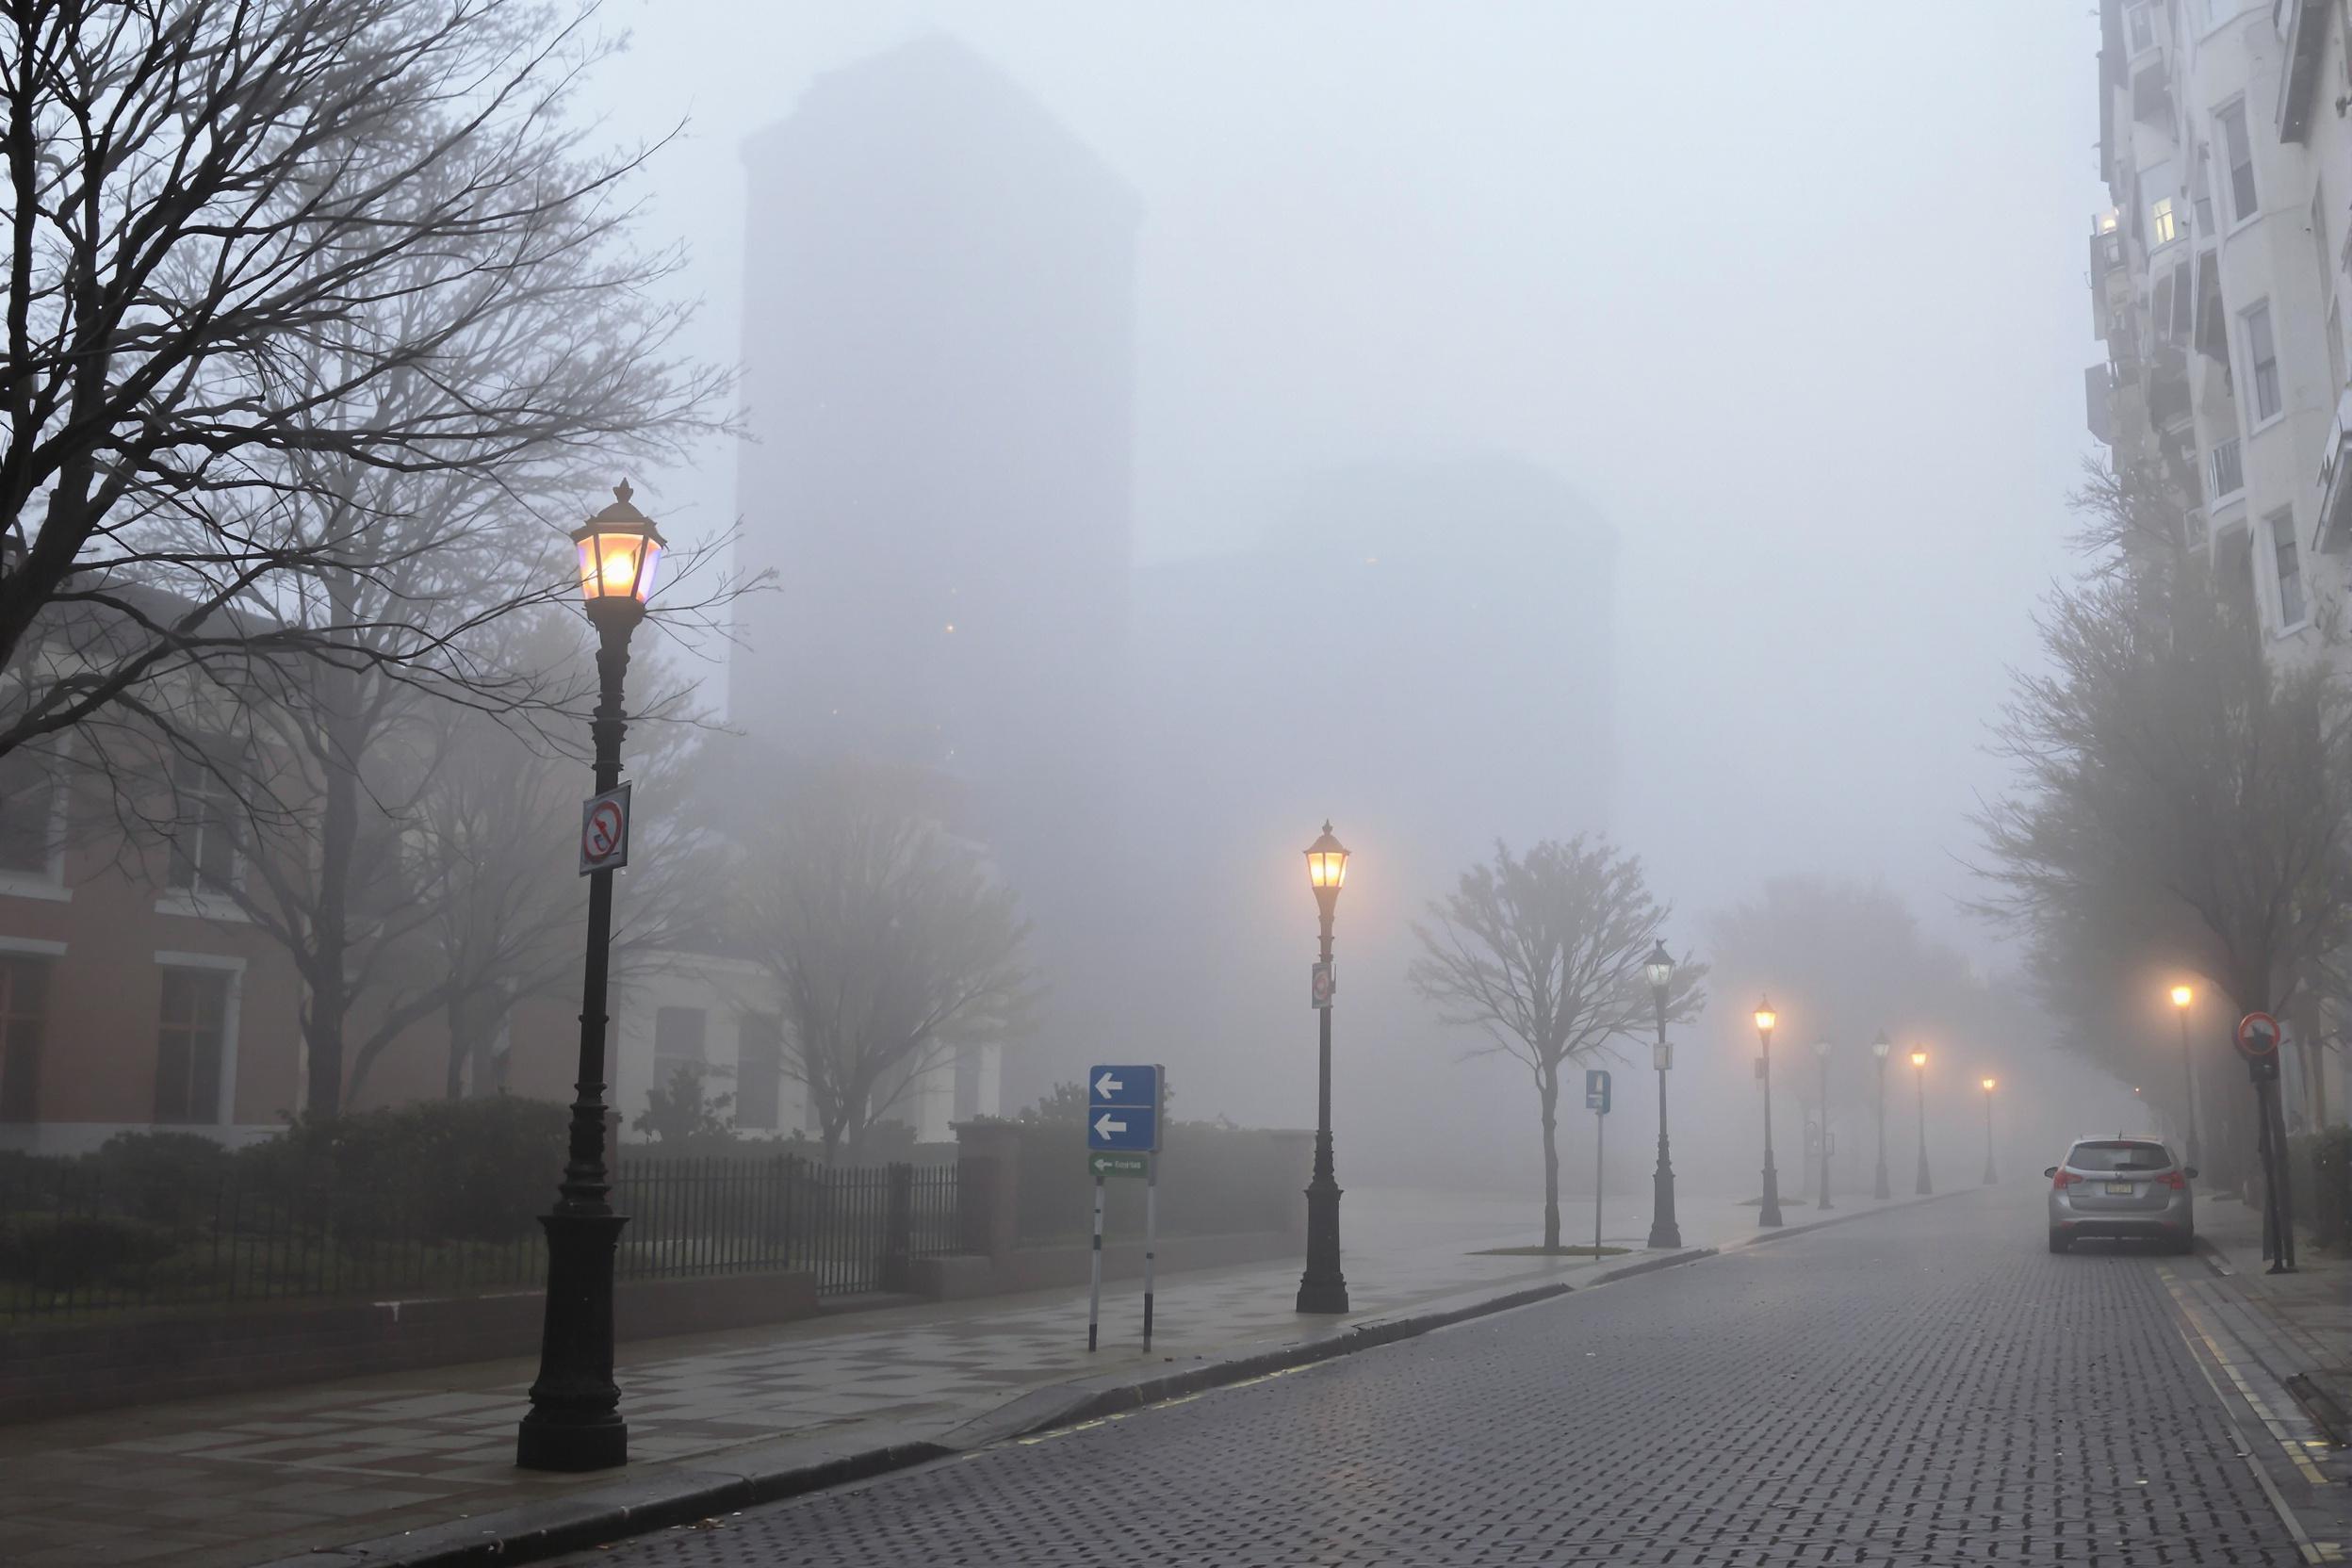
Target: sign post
(2256,1039)
(1596,1101)
(1123,1139)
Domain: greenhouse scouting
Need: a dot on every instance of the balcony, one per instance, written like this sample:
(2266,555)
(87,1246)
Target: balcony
(2225,472)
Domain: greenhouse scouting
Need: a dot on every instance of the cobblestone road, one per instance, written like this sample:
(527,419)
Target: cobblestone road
(1929,1387)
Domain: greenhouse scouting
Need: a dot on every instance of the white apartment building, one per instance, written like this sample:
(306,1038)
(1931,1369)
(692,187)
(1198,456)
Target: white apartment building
(2218,279)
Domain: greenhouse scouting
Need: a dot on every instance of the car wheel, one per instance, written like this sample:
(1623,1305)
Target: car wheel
(2058,1241)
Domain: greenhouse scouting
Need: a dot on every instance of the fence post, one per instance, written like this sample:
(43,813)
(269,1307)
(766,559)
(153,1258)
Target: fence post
(898,1225)
(987,1184)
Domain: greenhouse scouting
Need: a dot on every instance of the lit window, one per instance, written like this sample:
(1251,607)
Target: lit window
(2159,200)
(2289,570)
(2262,362)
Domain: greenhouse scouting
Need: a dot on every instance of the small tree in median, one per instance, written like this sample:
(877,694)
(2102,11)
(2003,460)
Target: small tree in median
(1544,954)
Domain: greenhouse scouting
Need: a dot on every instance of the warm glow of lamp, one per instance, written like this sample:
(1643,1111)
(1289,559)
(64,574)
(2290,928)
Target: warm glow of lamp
(1988,1085)
(1765,1017)
(619,552)
(1326,864)
(1919,1056)
(2182,996)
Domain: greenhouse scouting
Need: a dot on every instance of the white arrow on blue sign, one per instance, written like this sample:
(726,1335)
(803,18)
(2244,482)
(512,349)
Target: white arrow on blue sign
(1124,1108)
(1596,1091)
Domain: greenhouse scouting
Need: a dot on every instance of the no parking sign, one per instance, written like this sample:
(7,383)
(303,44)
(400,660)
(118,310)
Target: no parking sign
(604,831)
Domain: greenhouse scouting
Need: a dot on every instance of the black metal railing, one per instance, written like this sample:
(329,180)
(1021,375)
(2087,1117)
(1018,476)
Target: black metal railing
(73,1244)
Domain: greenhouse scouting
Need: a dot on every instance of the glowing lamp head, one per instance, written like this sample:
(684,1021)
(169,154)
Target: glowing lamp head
(619,552)
(1988,1085)
(1660,969)
(2182,996)
(1327,868)
(1881,1046)
(1919,1057)
(1765,1017)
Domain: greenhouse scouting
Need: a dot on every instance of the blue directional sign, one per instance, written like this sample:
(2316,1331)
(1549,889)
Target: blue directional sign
(1124,1108)
(1596,1091)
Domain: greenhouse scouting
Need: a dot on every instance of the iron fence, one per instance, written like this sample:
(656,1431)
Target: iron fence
(75,1244)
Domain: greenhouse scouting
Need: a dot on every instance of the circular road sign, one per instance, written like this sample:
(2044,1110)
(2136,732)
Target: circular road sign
(2258,1035)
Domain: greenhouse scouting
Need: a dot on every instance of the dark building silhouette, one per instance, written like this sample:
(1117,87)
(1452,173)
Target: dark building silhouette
(938,378)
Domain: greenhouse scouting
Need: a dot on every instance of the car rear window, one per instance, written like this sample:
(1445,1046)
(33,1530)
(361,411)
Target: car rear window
(2120,1156)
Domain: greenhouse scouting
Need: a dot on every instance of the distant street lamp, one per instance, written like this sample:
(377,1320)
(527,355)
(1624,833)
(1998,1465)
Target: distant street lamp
(2182,997)
(1918,1078)
(1821,1049)
(1988,1132)
(1664,1232)
(1879,1047)
(1765,1018)
(1322,1287)
(575,1422)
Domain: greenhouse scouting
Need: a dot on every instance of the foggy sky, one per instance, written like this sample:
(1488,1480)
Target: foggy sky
(1791,293)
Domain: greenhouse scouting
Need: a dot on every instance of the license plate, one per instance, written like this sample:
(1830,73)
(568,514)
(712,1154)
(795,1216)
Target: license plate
(2118,1189)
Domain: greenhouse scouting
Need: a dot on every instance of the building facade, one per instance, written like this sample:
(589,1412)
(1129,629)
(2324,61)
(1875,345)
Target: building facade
(2218,278)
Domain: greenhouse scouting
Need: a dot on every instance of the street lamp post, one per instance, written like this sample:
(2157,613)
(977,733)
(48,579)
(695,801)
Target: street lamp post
(2182,997)
(1821,1049)
(1765,1018)
(1322,1287)
(1663,1230)
(575,1422)
(1988,1132)
(1918,1078)
(1879,1047)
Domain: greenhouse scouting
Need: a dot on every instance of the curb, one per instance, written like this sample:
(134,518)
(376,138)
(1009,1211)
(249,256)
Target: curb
(536,1531)
(1761,1236)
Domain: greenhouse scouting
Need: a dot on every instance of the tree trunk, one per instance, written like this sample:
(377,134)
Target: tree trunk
(328,961)
(1547,1086)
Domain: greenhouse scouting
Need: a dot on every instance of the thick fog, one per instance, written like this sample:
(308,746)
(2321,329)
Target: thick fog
(1512,419)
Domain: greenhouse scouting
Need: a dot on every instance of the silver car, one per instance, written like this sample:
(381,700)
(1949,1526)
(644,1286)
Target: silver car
(2125,1186)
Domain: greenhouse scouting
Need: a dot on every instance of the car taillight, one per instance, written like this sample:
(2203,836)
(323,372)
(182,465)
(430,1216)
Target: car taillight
(2172,1179)
(2064,1180)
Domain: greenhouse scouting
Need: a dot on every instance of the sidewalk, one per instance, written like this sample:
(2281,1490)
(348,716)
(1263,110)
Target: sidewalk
(247,1478)
(2304,1319)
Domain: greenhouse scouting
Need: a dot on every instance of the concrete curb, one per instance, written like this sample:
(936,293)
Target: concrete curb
(768,1473)
(1761,1236)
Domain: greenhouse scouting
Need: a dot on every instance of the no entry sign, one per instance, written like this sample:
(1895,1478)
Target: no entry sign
(604,831)
(2258,1035)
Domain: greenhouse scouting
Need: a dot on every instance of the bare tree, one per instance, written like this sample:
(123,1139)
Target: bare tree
(894,944)
(1545,954)
(289,280)
(2181,804)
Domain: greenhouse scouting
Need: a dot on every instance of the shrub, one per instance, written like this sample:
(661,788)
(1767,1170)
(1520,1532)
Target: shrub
(451,1170)
(79,1251)
(170,1179)
(2322,1166)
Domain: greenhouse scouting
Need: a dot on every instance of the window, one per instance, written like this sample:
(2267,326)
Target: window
(2157,198)
(677,1043)
(190,1033)
(2141,21)
(2101,1158)
(2335,345)
(2262,362)
(2289,570)
(29,811)
(205,831)
(2319,240)
(2238,150)
(759,1071)
(23,1011)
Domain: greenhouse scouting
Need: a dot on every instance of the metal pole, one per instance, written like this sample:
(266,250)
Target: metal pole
(1094,1286)
(1824,1133)
(1879,1189)
(1918,1078)
(1323,1288)
(575,1422)
(1600,1134)
(2188,1085)
(1769,1213)
(1988,1138)
(1151,1235)
(1664,1231)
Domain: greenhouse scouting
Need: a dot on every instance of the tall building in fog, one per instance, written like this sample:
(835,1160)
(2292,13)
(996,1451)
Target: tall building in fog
(938,368)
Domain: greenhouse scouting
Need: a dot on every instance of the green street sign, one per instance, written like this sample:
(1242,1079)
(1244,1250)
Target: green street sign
(1115,1164)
